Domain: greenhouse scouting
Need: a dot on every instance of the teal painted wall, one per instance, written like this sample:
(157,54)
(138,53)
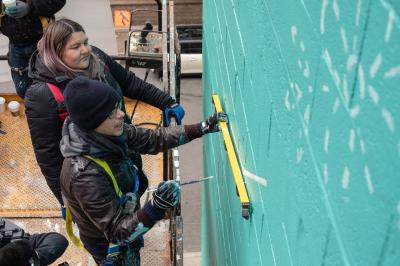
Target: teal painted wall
(312,90)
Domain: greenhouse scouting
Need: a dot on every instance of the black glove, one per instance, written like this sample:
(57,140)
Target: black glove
(20,10)
(167,195)
(211,124)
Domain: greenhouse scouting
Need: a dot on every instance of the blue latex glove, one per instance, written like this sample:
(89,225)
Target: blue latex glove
(175,110)
(63,212)
(21,9)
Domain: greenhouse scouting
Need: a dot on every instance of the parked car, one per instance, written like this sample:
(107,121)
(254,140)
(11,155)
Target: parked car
(190,39)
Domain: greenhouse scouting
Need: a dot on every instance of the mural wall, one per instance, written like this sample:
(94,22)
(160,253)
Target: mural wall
(312,90)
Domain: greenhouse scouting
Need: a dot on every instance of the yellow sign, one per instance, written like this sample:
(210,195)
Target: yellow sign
(122,18)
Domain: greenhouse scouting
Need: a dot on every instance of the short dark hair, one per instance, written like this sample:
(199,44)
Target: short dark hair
(16,253)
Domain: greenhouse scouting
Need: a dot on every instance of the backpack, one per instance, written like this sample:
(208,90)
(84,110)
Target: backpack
(59,97)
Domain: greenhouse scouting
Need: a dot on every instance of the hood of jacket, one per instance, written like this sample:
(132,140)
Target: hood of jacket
(39,71)
(76,141)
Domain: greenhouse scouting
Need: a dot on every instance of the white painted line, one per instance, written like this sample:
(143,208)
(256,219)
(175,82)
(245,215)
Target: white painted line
(255,178)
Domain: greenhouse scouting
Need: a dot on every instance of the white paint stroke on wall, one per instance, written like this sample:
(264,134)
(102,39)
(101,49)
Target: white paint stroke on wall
(375,65)
(325,88)
(302,47)
(369,180)
(346,95)
(299,154)
(394,71)
(293,31)
(334,74)
(325,173)
(362,147)
(306,71)
(307,115)
(299,92)
(387,116)
(336,105)
(260,180)
(346,178)
(287,103)
(336,10)
(326,140)
(299,64)
(373,94)
(323,13)
(344,39)
(354,111)
(351,62)
(358,13)
(361,80)
(389,25)
(310,89)
(352,139)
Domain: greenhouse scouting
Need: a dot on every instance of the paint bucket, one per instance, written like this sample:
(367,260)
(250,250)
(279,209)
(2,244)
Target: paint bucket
(9,3)
(2,104)
(14,108)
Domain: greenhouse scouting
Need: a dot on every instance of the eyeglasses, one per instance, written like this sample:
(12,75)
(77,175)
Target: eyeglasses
(113,114)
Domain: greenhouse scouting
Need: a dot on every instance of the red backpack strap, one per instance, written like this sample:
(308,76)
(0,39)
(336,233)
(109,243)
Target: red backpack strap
(59,97)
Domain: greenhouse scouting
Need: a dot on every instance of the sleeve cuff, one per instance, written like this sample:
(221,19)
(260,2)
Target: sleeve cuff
(150,214)
(193,131)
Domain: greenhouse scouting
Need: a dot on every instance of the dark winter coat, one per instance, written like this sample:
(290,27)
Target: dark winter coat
(87,188)
(42,109)
(28,30)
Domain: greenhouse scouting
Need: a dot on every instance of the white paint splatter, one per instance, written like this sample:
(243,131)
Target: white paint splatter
(306,71)
(354,111)
(291,85)
(358,12)
(336,106)
(325,171)
(294,33)
(375,65)
(351,62)
(307,115)
(368,180)
(355,38)
(336,10)
(346,95)
(287,103)
(310,89)
(361,80)
(387,116)
(389,25)
(325,88)
(394,71)
(352,138)
(373,94)
(260,180)
(346,178)
(344,39)
(299,64)
(306,131)
(299,154)
(302,47)
(323,11)
(362,147)
(326,140)
(299,92)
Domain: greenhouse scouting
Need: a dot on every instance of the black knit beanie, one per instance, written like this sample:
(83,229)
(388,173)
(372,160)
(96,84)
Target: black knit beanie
(89,102)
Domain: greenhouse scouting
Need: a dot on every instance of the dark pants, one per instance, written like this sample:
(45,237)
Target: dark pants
(18,60)
(49,246)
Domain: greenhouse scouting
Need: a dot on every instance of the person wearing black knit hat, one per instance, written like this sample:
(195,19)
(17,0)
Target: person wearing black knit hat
(95,135)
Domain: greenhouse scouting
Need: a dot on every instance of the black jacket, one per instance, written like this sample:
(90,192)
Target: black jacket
(41,110)
(28,30)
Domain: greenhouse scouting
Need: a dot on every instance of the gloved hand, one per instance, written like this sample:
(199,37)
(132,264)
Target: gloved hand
(167,195)
(177,111)
(211,124)
(21,9)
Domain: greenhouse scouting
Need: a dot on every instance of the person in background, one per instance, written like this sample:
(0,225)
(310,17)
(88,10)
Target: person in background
(19,248)
(96,144)
(63,54)
(23,25)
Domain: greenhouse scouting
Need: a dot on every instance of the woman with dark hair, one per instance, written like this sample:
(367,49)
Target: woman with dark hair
(63,54)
